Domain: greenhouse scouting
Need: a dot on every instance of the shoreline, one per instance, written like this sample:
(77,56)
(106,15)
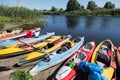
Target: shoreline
(6,74)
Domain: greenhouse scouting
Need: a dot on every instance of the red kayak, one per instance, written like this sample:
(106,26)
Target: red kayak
(68,71)
(13,36)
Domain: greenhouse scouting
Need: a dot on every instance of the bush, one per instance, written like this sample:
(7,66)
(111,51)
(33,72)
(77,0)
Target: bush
(21,75)
(1,25)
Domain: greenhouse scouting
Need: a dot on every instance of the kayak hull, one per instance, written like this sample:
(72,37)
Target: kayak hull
(27,40)
(55,58)
(108,71)
(66,73)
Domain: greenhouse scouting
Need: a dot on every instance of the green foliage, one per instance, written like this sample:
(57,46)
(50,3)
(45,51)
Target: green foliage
(73,5)
(91,5)
(5,19)
(53,8)
(1,25)
(61,10)
(21,75)
(82,7)
(109,5)
(18,12)
(74,9)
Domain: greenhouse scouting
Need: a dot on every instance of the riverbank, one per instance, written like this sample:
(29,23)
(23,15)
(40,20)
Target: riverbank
(11,25)
(24,26)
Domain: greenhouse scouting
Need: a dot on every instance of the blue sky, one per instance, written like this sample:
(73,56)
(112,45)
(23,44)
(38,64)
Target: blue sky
(47,4)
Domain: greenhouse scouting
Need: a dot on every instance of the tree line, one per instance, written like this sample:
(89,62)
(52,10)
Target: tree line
(74,8)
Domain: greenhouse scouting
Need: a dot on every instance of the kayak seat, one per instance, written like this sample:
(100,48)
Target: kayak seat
(80,57)
(87,47)
(76,40)
(3,47)
(67,45)
(104,59)
(49,45)
(61,50)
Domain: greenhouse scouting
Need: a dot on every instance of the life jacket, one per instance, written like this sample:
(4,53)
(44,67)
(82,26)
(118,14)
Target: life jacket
(29,34)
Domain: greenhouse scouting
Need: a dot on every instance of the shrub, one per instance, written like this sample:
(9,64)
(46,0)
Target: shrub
(21,75)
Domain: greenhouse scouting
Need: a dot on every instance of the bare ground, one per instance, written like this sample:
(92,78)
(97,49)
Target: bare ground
(6,64)
(11,25)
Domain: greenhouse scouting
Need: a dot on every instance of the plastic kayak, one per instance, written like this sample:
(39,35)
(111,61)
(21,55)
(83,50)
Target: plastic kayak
(118,56)
(35,55)
(57,56)
(18,35)
(104,56)
(9,33)
(27,40)
(69,70)
(21,49)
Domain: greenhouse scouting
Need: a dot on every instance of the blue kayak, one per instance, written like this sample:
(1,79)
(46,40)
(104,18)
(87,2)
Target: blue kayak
(27,40)
(57,56)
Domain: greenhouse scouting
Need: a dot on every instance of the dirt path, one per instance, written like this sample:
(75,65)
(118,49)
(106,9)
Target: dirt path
(5,73)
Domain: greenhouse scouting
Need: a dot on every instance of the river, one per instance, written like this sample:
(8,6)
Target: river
(92,28)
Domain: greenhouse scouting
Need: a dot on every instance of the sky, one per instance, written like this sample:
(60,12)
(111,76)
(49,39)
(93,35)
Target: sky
(47,4)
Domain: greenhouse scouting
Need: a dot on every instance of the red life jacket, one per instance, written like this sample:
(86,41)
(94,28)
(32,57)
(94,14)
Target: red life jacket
(29,34)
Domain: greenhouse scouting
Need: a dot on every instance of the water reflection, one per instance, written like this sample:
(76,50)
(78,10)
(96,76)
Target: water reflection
(89,22)
(105,22)
(93,28)
(72,22)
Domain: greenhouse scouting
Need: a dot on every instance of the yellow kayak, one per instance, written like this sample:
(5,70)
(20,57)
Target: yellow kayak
(5,33)
(38,54)
(104,56)
(20,49)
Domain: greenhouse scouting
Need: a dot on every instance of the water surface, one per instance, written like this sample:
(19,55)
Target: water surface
(92,28)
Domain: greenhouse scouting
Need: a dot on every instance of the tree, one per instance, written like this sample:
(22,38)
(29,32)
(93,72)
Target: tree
(73,5)
(109,5)
(61,10)
(53,8)
(91,5)
(82,7)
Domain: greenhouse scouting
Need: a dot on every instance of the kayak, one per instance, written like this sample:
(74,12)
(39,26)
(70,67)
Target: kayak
(69,70)
(21,49)
(104,57)
(57,56)
(118,56)
(17,35)
(27,40)
(35,55)
(10,32)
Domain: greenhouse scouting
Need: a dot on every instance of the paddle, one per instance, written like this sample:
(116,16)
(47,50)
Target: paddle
(29,45)
(24,43)
(35,49)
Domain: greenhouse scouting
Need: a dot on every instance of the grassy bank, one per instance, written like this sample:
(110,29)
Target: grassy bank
(7,23)
(18,15)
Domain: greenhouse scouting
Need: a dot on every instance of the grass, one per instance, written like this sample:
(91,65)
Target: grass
(1,25)
(21,75)
(4,19)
